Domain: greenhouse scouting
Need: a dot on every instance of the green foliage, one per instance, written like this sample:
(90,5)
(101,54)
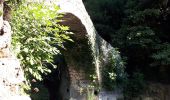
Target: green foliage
(14,3)
(106,14)
(1,10)
(36,35)
(135,28)
(134,86)
(90,94)
(113,73)
(140,29)
(1,13)
(134,35)
(162,58)
(143,39)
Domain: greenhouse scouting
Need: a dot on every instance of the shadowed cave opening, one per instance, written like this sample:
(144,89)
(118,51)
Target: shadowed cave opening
(58,82)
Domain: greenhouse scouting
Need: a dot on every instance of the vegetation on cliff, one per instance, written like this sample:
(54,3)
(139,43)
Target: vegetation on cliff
(140,30)
(37,36)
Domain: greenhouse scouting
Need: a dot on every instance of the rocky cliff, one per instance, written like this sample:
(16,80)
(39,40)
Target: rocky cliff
(11,74)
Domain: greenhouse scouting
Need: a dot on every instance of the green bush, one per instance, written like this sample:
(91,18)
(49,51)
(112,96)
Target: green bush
(113,73)
(139,28)
(14,3)
(134,86)
(36,34)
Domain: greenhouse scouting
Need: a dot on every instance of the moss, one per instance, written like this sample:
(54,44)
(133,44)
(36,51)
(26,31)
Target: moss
(79,54)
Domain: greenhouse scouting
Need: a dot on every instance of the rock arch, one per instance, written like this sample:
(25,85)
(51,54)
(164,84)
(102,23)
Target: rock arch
(85,35)
(79,59)
(88,44)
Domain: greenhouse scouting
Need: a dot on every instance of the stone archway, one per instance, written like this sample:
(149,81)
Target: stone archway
(71,78)
(86,40)
(79,59)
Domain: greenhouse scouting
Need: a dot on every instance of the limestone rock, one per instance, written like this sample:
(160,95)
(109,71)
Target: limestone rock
(11,74)
(10,71)
(18,97)
(5,40)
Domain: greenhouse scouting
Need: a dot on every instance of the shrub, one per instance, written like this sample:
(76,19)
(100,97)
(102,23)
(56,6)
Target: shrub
(36,36)
(113,73)
(134,86)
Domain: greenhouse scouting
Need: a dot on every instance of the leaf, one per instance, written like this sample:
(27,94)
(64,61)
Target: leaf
(36,31)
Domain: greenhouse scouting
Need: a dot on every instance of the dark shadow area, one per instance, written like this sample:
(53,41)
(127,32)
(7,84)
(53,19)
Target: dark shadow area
(55,86)
(115,22)
(54,81)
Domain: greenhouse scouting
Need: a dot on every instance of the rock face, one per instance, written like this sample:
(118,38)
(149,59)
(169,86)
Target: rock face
(87,55)
(11,74)
(79,59)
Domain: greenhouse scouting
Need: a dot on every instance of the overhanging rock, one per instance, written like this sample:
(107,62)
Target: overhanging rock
(88,45)
(86,56)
